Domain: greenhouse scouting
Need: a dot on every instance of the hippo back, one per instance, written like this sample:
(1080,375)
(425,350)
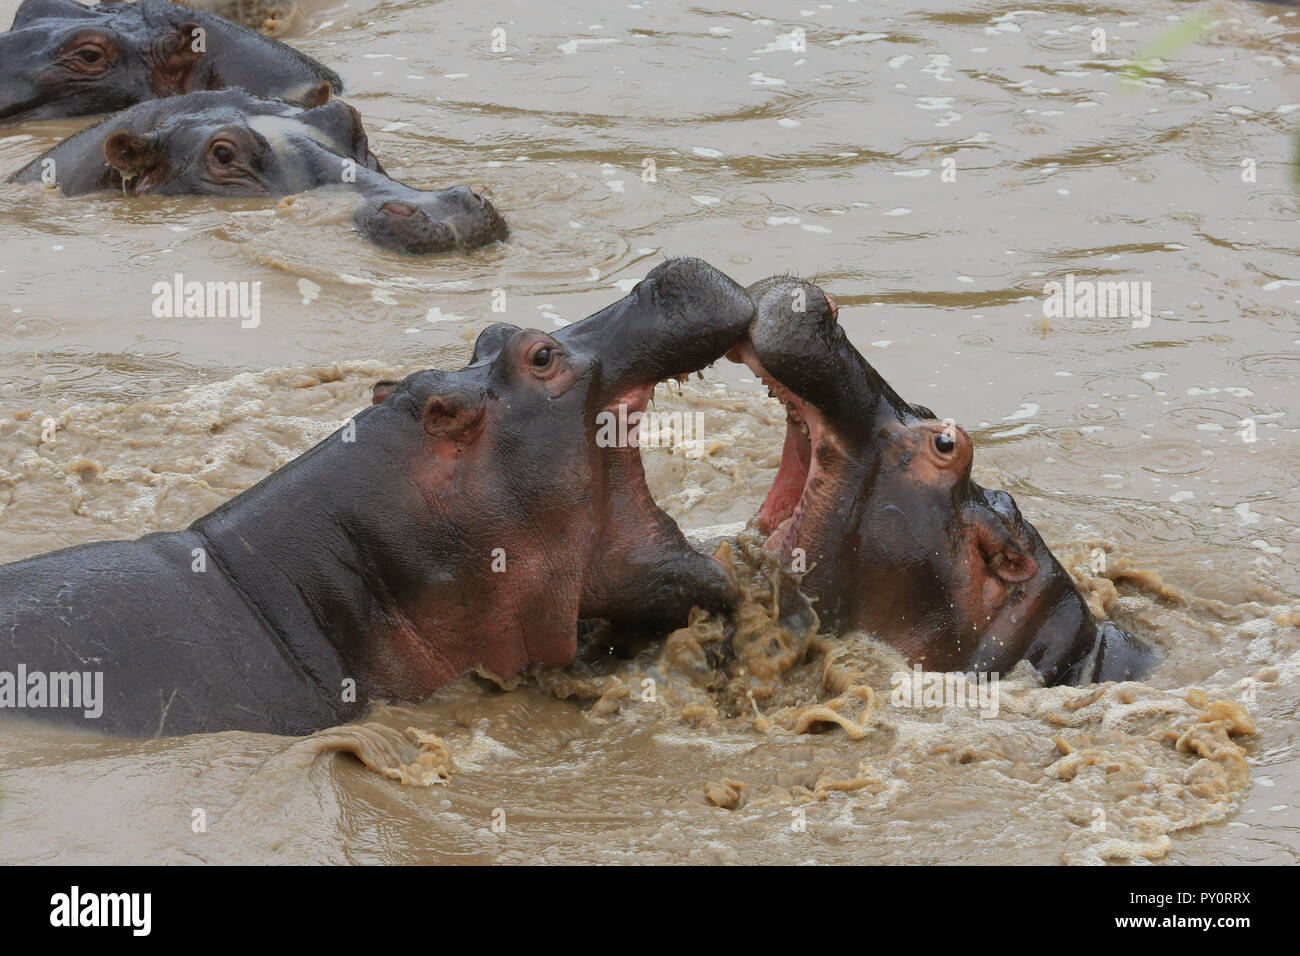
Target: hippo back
(126,610)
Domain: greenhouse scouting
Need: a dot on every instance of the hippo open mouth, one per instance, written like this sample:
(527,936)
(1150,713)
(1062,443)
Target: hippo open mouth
(682,317)
(797,333)
(873,504)
(522,440)
(784,510)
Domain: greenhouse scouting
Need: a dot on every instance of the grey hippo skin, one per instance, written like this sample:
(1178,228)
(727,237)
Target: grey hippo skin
(897,539)
(229,143)
(60,58)
(371,556)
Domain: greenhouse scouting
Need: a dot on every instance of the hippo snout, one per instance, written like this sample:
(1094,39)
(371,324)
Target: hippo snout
(470,200)
(688,274)
(423,223)
(794,317)
(684,290)
(686,287)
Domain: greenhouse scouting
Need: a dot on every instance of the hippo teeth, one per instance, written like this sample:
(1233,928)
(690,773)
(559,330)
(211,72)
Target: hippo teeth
(778,391)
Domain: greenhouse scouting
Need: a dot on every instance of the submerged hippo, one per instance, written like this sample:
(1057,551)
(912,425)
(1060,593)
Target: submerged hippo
(896,537)
(229,143)
(63,59)
(469,519)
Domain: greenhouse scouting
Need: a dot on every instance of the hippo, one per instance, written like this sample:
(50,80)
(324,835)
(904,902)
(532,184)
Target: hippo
(468,519)
(61,59)
(230,143)
(873,499)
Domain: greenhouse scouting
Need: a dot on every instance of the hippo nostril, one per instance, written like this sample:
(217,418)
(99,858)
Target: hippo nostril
(399,208)
(464,195)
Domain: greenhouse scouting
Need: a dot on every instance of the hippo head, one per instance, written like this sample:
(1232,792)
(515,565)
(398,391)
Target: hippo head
(223,143)
(229,143)
(539,521)
(61,58)
(874,498)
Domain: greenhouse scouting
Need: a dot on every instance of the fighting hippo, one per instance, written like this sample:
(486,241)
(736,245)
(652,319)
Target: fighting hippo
(468,519)
(874,498)
(229,143)
(63,59)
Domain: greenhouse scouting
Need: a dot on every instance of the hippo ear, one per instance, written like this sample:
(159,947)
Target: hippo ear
(318,95)
(1005,557)
(179,51)
(451,417)
(32,10)
(342,124)
(491,340)
(380,391)
(129,153)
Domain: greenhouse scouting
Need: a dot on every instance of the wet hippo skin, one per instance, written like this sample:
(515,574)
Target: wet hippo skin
(60,58)
(876,496)
(229,143)
(470,520)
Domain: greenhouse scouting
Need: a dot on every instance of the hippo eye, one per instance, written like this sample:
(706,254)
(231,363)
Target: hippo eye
(944,444)
(90,54)
(541,358)
(223,154)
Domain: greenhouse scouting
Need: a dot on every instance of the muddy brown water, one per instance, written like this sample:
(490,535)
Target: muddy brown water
(828,162)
